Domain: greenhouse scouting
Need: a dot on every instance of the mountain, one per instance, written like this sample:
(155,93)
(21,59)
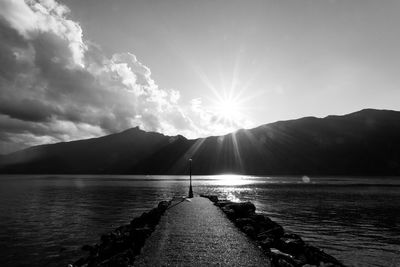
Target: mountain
(115,153)
(361,143)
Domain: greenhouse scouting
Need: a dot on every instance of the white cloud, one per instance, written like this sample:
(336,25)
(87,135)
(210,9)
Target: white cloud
(55,86)
(19,15)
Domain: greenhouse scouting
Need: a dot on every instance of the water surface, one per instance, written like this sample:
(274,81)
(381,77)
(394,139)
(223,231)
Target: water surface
(45,219)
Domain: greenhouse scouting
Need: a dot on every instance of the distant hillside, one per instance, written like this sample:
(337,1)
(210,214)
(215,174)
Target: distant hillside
(115,153)
(361,143)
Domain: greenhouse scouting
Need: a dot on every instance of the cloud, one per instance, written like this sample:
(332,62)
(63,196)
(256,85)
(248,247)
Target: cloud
(55,86)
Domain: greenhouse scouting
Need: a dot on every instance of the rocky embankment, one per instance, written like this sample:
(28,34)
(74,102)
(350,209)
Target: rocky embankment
(284,249)
(120,246)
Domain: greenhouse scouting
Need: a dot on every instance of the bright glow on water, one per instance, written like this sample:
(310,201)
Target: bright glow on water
(45,219)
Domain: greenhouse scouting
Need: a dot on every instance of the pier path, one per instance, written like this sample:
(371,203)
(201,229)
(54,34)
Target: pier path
(197,233)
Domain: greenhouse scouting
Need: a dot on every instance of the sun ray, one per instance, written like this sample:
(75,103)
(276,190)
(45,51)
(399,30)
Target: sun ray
(237,155)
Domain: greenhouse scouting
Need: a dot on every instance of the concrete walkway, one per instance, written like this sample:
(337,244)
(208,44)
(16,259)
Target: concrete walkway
(197,233)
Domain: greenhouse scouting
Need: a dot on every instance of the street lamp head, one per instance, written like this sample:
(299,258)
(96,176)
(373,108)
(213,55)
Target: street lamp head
(190,159)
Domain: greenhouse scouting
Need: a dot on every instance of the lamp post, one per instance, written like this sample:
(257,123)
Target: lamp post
(190,177)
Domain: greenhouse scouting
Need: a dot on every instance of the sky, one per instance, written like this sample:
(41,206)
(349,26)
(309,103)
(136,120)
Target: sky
(73,69)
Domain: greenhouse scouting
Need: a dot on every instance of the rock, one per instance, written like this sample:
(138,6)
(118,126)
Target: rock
(245,209)
(317,256)
(213,198)
(88,248)
(223,203)
(291,244)
(80,262)
(123,229)
(259,218)
(250,231)
(140,235)
(153,217)
(163,205)
(301,259)
(138,222)
(106,251)
(107,238)
(123,259)
(280,259)
(150,218)
(267,224)
(274,230)
(136,246)
(266,243)
(230,213)
(241,222)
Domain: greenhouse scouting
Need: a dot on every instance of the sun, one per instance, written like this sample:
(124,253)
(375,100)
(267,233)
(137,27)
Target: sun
(228,109)
(228,106)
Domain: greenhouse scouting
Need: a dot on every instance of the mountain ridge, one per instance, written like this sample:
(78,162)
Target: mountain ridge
(359,143)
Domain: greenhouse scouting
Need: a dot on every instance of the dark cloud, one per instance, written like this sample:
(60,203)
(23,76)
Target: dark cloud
(54,86)
(26,109)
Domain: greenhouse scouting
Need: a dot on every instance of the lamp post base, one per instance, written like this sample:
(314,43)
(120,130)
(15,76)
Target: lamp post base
(190,192)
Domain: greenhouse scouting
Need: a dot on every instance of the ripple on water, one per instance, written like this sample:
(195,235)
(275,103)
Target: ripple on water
(45,219)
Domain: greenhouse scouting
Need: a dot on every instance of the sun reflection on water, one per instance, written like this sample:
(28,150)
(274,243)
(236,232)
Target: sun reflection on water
(234,187)
(231,179)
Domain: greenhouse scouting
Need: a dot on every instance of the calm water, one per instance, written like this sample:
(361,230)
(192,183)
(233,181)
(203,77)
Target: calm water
(45,219)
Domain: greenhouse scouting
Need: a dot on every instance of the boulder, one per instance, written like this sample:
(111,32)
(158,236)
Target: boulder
(266,243)
(230,213)
(241,222)
(318,257)
(140,234)
(250,231)
(108,238)
(259,218)
(150,218)
(244,209)
(80,262)
(223,203)
(163,205)
(266,224)
(123,229)
(274,231)
(291,244)
(213,199)
(280,259)
(87,248)
(153,217)
(139,221)
(123,259)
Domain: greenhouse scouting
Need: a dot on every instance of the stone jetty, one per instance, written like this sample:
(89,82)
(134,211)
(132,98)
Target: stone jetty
(197,233)
(194,232)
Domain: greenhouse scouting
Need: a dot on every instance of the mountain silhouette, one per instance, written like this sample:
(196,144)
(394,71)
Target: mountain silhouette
(361,143)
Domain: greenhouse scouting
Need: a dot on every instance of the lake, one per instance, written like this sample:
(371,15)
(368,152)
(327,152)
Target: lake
(45,219)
